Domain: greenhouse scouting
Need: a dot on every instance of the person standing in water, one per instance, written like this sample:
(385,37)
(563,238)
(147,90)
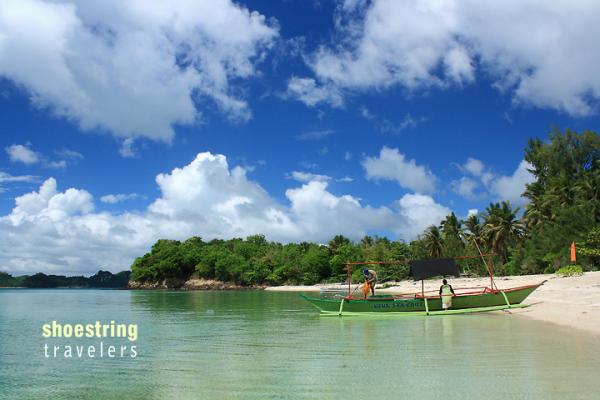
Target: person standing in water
(370,279)
(446,293)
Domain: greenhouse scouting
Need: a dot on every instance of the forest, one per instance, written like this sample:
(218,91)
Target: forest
(563,205)
(102,279)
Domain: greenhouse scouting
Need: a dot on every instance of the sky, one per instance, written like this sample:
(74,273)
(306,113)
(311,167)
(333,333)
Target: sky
(124,122)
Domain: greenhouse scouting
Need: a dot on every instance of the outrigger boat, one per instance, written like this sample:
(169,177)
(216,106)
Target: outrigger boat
(465,300)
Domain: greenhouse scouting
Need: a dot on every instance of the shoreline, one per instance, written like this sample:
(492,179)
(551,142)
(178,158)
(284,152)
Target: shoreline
(572,301)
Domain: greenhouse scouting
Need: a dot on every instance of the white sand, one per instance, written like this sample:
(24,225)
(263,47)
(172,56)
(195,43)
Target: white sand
(573,302)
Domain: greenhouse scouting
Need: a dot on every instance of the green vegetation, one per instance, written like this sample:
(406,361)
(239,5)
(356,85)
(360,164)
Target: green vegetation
(102,279)
(564,206)
(570,270)
(255,261)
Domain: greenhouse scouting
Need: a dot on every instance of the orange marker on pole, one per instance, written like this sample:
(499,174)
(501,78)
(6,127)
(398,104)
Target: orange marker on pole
(573,253)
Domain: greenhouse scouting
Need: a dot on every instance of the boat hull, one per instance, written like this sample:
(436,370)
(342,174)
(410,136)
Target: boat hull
(483,301)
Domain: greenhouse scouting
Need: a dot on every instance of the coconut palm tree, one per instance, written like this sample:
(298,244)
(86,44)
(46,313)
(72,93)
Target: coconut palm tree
(432,240)
(366,242)
(502,228)
(588,190)
(472,231)
(451,227)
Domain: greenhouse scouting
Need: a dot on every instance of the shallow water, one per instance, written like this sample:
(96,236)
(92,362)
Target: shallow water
(268,345)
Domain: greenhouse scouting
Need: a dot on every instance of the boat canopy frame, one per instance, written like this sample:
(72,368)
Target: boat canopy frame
(422,270)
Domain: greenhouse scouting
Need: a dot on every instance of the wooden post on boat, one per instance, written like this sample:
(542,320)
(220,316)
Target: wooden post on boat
(490,271)
(348,268)
(422,288)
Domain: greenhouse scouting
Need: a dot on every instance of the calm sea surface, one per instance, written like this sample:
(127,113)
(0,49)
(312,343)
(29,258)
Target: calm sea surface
(266,345)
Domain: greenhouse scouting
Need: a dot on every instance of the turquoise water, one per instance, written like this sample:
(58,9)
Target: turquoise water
(266,345)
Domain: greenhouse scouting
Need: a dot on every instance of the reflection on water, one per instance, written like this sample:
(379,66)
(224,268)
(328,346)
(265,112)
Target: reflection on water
(216,345)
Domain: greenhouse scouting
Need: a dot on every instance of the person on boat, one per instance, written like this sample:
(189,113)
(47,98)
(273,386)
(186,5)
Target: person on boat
(370,279)
(446,293)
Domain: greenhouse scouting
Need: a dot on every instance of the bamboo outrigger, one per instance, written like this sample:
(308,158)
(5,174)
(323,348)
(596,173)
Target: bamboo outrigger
(465,300)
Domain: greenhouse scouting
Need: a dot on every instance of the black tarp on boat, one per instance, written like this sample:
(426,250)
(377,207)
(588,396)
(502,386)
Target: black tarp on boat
(423,269)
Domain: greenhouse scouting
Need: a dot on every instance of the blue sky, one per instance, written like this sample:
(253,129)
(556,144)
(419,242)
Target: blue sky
(299,120)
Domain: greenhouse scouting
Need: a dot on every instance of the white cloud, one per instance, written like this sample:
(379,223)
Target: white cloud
(127,149)
(5,177)
(387,126)
(70,154)
(22,154)
(51,205)
(465,187)
(310,93)
(421,44)
(474,166)
(118,198)
(500,186)
(395,43)
(134,68)
(393,165)
(472,211)
(26,155)
(315,135)
(420,211)
(408,122)
(307,177)
(512,187)
(57,164)
(59,232)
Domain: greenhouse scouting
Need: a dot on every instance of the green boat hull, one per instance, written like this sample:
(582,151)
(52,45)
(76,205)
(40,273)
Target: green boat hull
(510,298)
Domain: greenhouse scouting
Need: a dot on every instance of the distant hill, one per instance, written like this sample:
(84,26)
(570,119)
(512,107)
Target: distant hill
(102,279)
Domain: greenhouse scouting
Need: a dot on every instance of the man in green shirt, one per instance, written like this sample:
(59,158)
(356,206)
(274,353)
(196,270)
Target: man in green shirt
(446,293)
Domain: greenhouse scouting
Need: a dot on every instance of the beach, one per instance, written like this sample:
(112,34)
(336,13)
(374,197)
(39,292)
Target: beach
(571,301)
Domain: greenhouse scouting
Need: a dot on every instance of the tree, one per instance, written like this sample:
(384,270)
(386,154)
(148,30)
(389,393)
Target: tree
(366,242)
(433,243)
(473,231)
(451,231)
(502,228)
(338,241)
(590,246)
(566,169)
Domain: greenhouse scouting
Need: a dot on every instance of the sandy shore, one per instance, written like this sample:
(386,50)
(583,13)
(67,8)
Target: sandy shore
(573,302)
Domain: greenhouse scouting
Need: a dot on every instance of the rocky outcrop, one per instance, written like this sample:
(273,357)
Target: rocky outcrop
(209,284)
(191,284)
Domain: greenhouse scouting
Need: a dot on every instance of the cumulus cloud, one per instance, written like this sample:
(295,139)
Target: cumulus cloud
(512,187)
(422,44)
(25,154)
(301,176)
(22,154)
(118,198)
(420,211)
(474,166)
(308,91)
(465,187)
(136,68)
(501,187)
(61,232)
(393,165)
